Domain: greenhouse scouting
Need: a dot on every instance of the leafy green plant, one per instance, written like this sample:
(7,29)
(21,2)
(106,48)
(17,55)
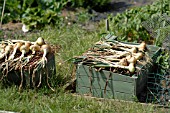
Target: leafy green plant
(163,62)
(128,25)
(33,13)
(47,12)
(12,10)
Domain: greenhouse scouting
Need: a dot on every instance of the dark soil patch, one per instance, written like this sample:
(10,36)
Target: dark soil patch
(116,6)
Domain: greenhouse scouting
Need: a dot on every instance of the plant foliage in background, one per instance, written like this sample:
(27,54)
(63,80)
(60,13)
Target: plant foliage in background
(163,63)
(12,10)
(45,12)
(33,13)
(159,27)
(38,13)
(128,25)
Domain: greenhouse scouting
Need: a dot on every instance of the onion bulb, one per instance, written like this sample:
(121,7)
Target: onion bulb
(45,49)
(40,41)
(142,46)
(138,56)
(133,49)
(131,67)
(8,48)
(132,60)
(28,43)
(128,57)
(16,47)
(24,49)
(34,48)
(2,47)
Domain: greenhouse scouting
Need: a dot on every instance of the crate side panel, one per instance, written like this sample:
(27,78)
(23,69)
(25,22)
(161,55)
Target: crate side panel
(89,71)
(82,70)
(98,82)
(84,81)
(125,87)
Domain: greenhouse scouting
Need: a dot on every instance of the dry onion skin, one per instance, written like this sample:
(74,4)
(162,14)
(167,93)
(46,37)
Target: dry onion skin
(121,55)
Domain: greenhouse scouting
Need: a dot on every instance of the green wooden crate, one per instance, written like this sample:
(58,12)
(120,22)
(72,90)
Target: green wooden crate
(106,84)
(14,76)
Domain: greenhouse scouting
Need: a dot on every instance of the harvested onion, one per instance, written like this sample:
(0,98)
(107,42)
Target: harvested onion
(132,50)
(34,48)
(2,47)
(142,46)
(132,60)
(16,47)
(24,49)
(8,48)
(40,41)
(28,43)
(131,67)
(138,56)
(45,49)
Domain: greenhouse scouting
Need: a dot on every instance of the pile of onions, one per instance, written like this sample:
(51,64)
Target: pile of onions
(122,55)
(25,48)
(17,54)
(129,60)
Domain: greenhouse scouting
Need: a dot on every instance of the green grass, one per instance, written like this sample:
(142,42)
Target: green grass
(60,102)
(73,41)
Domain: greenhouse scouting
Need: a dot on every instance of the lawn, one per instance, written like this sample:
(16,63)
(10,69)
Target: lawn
(70,41)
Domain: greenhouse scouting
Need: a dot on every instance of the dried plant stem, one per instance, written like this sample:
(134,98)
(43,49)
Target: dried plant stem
(2,14)
(40,79)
